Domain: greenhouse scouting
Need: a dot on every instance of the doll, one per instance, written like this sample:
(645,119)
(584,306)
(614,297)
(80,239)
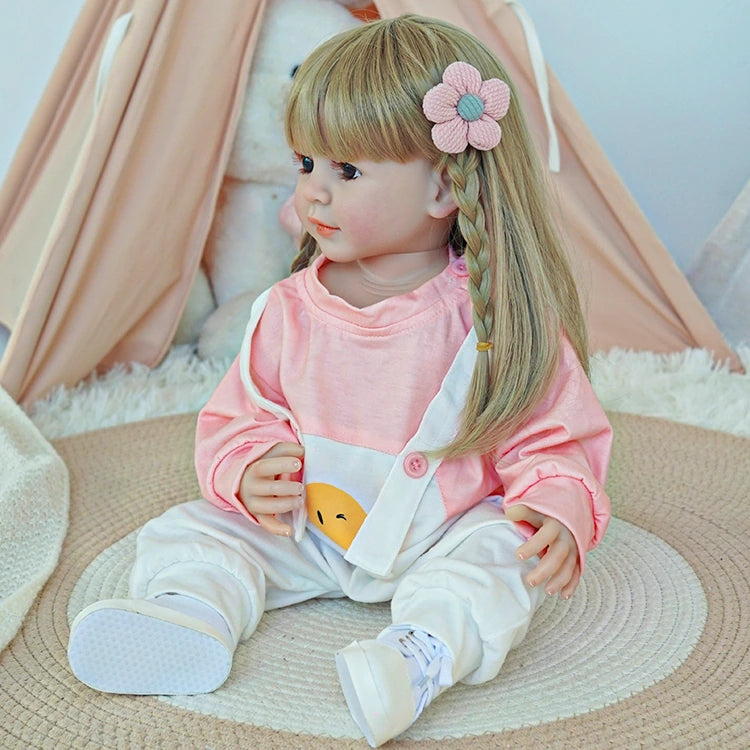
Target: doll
(409,418)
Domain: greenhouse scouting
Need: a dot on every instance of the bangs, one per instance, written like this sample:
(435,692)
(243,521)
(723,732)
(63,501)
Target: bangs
(359,96)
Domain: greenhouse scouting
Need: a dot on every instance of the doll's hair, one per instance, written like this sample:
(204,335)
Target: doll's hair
(359,96)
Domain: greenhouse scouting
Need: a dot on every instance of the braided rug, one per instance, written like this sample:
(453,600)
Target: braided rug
(652,651)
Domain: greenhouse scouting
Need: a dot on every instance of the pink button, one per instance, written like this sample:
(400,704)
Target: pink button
(459,267)
(415,465)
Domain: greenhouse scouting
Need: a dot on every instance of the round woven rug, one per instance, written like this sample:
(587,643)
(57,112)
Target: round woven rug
(652,651)
(635,618)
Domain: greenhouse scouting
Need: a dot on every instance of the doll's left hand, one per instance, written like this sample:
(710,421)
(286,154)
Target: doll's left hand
(559,566)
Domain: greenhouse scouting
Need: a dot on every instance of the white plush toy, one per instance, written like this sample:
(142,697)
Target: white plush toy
(248,249)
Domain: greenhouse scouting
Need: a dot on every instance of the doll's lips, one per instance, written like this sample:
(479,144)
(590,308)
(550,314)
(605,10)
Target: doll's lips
(324,230)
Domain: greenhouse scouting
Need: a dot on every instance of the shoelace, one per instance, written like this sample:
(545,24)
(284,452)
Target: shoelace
(432,658)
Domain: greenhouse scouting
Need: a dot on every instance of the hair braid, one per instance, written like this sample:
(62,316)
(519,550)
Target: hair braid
(307,251)
(464,174)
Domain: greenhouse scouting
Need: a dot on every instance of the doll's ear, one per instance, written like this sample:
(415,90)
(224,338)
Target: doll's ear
(442,203)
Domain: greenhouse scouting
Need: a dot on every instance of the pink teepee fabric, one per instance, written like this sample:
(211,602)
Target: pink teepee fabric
(108,202)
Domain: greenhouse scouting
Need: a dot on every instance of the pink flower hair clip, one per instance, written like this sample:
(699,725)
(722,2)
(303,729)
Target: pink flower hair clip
(466,109)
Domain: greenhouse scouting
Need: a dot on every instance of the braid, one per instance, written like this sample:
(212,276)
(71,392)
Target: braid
(307,251)
(464,174)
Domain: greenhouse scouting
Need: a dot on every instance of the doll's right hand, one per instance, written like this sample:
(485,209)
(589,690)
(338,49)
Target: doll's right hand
(266,487)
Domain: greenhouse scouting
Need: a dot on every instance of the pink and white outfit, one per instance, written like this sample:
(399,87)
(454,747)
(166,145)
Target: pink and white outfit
(369,392)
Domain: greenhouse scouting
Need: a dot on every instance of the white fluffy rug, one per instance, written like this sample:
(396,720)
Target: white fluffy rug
(687,387)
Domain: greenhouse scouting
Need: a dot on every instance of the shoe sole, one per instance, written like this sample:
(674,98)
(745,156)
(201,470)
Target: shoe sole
(141,648)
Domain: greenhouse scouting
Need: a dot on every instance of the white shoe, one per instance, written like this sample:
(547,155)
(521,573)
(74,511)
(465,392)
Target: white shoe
(387,682)
(139,647)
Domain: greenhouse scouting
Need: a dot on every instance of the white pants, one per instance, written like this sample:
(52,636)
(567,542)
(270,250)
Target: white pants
(467,590)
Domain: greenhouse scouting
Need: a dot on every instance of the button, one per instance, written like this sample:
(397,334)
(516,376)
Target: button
(415,465)
(459,267)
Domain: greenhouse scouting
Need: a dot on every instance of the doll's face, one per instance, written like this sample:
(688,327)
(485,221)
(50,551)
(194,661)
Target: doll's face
(368,209)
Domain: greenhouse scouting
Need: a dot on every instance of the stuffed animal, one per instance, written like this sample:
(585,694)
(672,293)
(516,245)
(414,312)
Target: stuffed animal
(249,247)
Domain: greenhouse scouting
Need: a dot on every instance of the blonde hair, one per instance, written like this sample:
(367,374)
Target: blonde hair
(359,95)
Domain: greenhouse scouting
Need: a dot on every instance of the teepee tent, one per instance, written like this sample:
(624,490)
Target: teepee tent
(108,202)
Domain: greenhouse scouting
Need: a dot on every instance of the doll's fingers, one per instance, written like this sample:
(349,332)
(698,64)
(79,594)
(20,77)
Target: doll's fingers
(271,467)
(269,506)
(274,488)
(260,478)
(559,556)
(563,575)
(521,512)
(572,584)
(527,550)
(547,567)
(540,541)
(285,450)
(252,487)
(272,525)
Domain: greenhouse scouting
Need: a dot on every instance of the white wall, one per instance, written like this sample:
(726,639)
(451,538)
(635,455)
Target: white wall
(664,86)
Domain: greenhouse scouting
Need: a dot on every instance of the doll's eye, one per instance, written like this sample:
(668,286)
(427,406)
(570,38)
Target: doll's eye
(305,163)
(294,71)
(347,171)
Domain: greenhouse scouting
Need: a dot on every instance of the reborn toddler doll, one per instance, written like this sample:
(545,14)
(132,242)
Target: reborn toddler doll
(409,418)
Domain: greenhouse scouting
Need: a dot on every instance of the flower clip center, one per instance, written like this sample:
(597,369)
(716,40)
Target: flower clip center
(470,107)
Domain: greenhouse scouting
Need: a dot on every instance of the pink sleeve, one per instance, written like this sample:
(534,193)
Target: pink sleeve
(232,433)
(556,464)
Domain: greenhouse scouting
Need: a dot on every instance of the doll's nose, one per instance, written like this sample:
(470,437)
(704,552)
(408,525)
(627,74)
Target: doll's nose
(315,189)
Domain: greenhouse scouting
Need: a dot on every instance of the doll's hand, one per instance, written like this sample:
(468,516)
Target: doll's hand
(559,566)
(266,487)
